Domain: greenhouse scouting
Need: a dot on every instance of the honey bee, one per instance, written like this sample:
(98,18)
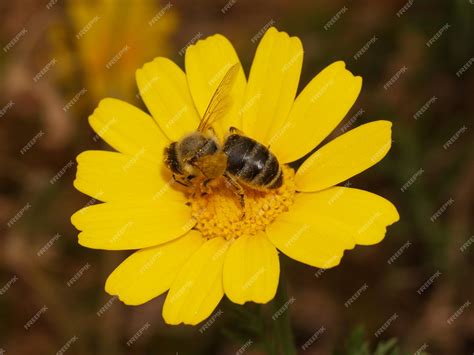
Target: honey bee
(241,160)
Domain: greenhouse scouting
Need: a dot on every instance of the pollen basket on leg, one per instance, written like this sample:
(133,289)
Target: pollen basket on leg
(218,212)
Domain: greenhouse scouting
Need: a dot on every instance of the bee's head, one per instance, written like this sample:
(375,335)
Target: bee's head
(181,157)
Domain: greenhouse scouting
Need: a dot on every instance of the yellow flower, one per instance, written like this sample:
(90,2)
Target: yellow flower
(112,39)
(200,247)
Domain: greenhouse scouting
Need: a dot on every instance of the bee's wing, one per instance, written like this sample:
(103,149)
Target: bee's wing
(220,101)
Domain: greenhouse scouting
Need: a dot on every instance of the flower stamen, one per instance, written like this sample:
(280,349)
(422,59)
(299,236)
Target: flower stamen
(219,213)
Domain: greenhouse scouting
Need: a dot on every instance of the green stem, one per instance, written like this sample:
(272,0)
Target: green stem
(267,338)
(281,322)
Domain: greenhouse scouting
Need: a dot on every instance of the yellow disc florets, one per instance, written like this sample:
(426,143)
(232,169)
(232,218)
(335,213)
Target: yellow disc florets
(219,213)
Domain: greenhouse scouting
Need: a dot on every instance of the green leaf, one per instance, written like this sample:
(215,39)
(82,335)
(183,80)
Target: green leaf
(356,344)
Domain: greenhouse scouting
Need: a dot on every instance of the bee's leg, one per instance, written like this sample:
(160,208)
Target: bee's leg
(238,190)
(212,130)
(204,187)
(179,181)
(236,131)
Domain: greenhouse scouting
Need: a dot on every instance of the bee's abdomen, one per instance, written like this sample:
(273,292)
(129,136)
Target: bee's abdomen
(252,162)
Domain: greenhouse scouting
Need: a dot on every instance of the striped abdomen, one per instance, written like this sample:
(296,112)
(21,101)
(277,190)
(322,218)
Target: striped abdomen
(252,162)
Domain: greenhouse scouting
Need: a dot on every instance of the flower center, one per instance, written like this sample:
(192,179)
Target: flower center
(219,213)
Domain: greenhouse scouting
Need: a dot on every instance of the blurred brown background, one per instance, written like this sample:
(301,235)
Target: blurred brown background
(54,68)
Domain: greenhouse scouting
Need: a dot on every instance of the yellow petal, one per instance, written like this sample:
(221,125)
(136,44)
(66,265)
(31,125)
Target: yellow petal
(345,156)
(365,214)
(272,85)
(251,270)
(207,62)
(197,289)
(111,176)
(321,225)
(131,224)
(149,272)
(316,112)
(128,129)
(164,89)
